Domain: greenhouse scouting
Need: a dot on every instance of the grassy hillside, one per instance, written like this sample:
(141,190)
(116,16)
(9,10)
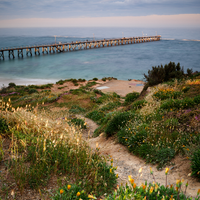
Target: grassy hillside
(41,144)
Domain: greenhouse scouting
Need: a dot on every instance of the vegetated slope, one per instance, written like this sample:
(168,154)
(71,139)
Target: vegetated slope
(156,128)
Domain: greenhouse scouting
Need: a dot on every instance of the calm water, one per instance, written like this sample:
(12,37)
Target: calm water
(123,62)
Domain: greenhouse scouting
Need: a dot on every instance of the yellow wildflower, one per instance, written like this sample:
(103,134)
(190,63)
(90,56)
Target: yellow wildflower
(78,194)
(68,187)
(91,197)
(129,177)
(151,190)
(166,170)
(132,181)
(61,191)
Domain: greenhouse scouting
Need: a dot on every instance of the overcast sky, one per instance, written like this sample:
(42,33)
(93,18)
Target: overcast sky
(66,9)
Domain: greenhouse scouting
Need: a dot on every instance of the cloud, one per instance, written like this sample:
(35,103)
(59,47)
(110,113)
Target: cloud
(94,8)
(183,20)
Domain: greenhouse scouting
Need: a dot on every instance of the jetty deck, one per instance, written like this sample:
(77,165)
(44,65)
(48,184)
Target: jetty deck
(72,46)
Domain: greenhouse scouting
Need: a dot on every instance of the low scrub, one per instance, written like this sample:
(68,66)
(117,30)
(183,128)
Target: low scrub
(181,103)
(138,104)
(96,115)
(165,73)
(131,97)
(117,122)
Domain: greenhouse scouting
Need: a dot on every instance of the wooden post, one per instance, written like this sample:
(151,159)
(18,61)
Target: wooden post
(20,52)
(37,50)
(11,52)
(1,55)
(28,51)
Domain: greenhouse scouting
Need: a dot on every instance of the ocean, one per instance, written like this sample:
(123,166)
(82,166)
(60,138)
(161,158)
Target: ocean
(122,62)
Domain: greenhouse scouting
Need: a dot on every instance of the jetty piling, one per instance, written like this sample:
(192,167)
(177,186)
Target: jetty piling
(74,46)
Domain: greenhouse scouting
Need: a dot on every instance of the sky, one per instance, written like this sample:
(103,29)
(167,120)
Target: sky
(37,13)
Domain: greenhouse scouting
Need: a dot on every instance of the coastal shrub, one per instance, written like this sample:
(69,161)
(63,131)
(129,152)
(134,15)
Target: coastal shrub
(163,94)
(162,74)
(122,136)
(31,91)
(90,84)
(117,122)
(98,92)
(78,91)
(11,85)
(179,103)
(138,104)
(95,115)
(110,106)
(79,122)
(131,97)
(76,109)
(81,80)
(95,79)
(60,82)
(197,99)
(195,163)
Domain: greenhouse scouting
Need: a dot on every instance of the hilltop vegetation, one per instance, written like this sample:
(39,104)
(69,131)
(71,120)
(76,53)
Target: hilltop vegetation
(41,135)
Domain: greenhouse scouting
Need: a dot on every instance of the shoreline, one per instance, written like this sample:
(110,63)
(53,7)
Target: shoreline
(121,87)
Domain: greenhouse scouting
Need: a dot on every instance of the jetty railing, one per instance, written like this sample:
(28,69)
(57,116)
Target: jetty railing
(73,46)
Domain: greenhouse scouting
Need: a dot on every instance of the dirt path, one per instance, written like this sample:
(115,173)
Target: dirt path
(128,164)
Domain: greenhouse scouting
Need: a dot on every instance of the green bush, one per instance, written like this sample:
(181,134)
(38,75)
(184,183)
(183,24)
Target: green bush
(78,91)
(95,79)
(95,115)
(31,91)
(162,74)
(90,84)
(131,97)
(10,85)
(81,80)
(98,92)
(76,109)
(117,122)
(197,99)
(79,122)
(110,106)
(195,164)
(179,103)
(162,95)
(61,82)
(138,104)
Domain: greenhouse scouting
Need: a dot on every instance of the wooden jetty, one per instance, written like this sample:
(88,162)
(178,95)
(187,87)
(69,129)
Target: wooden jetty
(73,46)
